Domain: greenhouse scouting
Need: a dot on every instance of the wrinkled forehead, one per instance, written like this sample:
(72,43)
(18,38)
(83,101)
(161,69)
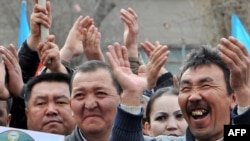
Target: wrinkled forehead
(93,80)
(99,73)
(200,72)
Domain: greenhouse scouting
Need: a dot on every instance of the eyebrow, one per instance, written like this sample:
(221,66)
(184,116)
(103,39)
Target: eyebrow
(55,97)
(40,97)
(161,113)
(177,112)
(100,88)
(203,80)
(60,97)
(94,88)
(206,79)
(185,82)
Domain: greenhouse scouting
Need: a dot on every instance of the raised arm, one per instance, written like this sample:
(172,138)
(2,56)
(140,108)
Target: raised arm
(4,93)
(73,45)
(158,55)
(50,51)
(39,16)
(130,37)
(27,54)
(131,30)
(127,126)
(235,55)
(133,85)
(92,44)
(14,81)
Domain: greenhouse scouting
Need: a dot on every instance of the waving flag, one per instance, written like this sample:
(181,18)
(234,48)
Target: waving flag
(24,26)
(239,32)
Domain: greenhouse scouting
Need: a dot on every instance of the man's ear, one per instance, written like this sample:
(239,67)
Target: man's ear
(175,81)
(8,120)
(26,111)
(71,108)
(233,102)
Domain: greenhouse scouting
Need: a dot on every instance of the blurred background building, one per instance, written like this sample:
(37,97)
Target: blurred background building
(180,24)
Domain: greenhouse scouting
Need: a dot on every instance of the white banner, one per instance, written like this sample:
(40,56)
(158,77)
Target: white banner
(15,134)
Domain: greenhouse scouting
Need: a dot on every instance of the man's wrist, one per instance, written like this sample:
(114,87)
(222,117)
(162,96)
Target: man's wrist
(32,42)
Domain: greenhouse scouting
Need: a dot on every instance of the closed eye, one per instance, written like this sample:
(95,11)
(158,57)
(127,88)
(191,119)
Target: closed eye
(101,94)
(79,96)
(185,89)
(205,86)
(62,102)
(40,103)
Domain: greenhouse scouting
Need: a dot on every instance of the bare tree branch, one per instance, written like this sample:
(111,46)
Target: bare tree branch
(101,10)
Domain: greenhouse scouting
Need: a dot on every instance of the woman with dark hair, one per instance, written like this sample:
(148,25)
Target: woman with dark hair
(163,114)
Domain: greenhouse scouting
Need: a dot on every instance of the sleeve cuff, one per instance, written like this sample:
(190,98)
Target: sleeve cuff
(131,109)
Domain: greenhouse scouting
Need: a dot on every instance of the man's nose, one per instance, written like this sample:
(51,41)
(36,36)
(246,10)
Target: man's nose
(195,95)
(51,109)
(90,102)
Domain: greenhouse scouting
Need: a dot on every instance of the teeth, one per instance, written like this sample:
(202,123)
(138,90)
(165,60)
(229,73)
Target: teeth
(198,112)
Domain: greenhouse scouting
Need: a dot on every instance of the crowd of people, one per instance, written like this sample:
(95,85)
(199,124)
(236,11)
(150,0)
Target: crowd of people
(121,98)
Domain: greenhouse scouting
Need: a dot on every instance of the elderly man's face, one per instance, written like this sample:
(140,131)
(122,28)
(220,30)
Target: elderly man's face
(94,101)
(48,109)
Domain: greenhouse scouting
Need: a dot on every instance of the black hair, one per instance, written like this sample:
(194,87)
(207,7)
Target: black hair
(160,92)
(207,55)
(45,77)
(92,66)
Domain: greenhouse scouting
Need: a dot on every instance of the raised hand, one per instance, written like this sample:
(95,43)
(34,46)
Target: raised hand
(235,55)
(4,93)
(131,29)
(147,47)
(92,44)
(133,85)
(39,16)
(158,55)
(49,51)
(75,41)
(14,82)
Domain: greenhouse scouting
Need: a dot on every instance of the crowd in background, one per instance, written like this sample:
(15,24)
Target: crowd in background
(121,97)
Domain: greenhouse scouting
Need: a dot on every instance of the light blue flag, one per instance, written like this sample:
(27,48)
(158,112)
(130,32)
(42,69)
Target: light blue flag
(239,32)
(24,30)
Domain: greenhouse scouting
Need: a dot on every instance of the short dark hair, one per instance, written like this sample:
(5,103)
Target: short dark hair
(45,77)
(160,92)
(92,66)
(207,55)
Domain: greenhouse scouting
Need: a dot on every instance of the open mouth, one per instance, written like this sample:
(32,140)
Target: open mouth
(199,113)
(198,110)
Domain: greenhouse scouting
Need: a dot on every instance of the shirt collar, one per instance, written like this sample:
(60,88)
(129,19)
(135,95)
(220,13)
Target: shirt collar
(81,135)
